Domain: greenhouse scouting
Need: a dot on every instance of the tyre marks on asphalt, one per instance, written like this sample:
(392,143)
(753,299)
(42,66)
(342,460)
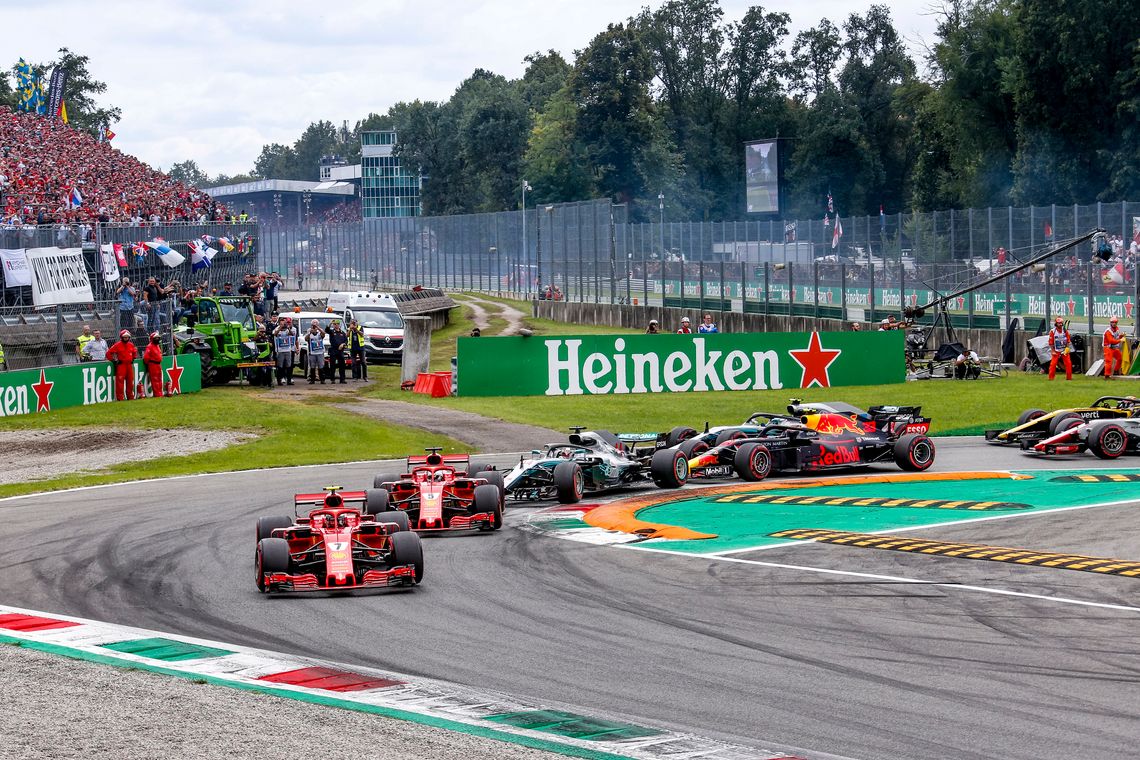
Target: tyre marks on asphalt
(1061,561)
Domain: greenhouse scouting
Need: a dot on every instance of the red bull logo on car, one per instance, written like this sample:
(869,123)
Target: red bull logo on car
(830,423)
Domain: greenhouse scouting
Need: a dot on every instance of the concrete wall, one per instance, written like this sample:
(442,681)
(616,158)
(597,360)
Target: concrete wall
(988,343)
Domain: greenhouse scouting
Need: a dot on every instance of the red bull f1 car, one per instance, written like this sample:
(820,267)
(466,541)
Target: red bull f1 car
(437,493)
(346,541)
(1106,439)
(1035,425)
(816,437)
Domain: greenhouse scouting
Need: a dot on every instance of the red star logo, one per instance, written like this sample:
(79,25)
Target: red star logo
(174,374)
(43,393)
(815,359)
(1128,308)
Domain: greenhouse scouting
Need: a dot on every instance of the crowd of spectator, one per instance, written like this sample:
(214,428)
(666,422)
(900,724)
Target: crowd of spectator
(343,213)
(51,173)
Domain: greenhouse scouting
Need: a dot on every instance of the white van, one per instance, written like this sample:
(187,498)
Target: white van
(380,317)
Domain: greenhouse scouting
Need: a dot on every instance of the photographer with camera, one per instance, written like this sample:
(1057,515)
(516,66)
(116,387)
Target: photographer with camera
(967,366)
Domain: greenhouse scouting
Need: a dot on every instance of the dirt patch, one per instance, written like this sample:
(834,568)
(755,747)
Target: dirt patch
(46,454)
(489,436)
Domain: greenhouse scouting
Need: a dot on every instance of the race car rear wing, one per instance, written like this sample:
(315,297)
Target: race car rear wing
(318,499)
(437,459)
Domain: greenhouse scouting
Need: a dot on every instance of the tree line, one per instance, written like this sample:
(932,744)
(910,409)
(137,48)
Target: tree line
(1014,102)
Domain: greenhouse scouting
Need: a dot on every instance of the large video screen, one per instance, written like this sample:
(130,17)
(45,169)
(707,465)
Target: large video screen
(762,177)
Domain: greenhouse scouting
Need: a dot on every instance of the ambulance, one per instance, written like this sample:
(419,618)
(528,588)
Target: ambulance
(380,317)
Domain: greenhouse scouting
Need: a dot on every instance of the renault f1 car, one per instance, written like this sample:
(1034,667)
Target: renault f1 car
(1107,439)
(437,493)
(595,461)
(1038,424)
(815,437)
(347,541)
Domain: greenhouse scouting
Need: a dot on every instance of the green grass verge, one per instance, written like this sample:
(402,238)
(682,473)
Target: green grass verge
(290,431)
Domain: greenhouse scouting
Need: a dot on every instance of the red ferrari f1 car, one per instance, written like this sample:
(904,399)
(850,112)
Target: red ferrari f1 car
(438,493)
(347,541)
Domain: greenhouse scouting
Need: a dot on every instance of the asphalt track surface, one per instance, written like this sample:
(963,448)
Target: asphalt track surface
(849,665)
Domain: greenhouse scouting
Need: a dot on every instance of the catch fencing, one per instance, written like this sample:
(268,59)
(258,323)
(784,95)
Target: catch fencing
(590,252)
(31,337)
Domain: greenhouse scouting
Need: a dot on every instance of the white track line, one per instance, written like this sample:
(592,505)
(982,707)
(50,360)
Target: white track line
(880,577)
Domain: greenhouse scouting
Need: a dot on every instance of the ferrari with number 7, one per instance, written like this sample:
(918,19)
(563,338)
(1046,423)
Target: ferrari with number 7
(346,541)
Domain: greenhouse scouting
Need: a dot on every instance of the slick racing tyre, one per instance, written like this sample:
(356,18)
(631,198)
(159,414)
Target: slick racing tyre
(1062,419)
(569,482)
(375,501)
(1029,415)
(407,550)
(1108,441)
(397,517)
(266,525)
(1067,423)
(669,468)
(693,447)
(488,499)
(678,434)
(753,461)
(272,557)
(495,478)
(725,436)
(914,453)
(383,478)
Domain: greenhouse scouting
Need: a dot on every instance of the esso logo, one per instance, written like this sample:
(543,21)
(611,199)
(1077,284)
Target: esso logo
(918,427)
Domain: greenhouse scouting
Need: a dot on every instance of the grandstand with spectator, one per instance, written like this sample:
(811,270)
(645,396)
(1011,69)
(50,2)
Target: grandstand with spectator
(51,173)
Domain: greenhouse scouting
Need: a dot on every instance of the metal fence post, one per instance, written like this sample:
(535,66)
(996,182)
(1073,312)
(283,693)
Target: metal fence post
(815,281)
(1089,296)
(59,333)
(843,291)
(1048,292)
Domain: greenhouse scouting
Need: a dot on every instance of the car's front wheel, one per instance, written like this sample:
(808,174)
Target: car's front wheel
(569,482)
(669,468)
(1108,442)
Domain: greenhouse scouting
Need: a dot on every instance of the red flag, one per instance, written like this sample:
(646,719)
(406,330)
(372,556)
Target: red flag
(119,255)
(838,233)
(109,134)
(1048,231)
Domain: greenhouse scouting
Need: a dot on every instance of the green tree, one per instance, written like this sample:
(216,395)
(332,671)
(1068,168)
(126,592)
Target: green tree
(7,94)
(616,116)
(876,67)
(815,55)
(493,129)
(319,139)
(970,117)
(426,137)
(555,162)
(1074,62)
(189,173)
(545,75)
(276,161)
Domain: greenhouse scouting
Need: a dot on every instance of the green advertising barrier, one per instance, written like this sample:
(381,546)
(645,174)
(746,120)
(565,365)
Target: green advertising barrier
(1021,304)
(610,364)
(29,391)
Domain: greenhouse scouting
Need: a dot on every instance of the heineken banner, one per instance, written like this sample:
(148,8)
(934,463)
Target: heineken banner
(29,391)
(608,364)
